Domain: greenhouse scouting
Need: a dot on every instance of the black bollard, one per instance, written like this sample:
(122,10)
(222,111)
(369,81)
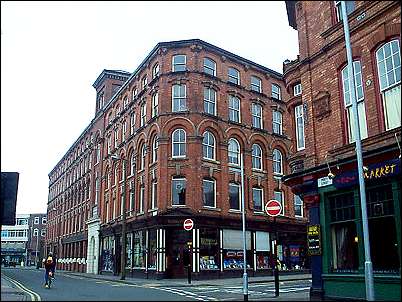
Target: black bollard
(276,277)
(189,273)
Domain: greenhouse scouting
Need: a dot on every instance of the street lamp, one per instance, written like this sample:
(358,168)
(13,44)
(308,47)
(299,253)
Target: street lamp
(115,157)
(368,266)
(245,282)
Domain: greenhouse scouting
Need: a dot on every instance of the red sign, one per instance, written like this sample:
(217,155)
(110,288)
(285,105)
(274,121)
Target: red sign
(188,224)
(273,207)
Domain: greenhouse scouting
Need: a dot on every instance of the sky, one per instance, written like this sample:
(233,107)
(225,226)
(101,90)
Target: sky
(52,52)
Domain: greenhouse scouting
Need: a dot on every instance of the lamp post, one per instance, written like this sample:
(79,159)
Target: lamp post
(123,218)
(245,282)
(368,266)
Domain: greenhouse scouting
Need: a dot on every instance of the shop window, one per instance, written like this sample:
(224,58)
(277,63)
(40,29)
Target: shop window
(139,249)
(233,250)
(152,249)
(209,249)
(382,229)
(178,191)
(108,254)
(129,250)
(263,251)
(343,233)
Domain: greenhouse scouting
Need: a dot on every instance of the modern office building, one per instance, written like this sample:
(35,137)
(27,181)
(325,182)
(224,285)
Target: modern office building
(181,126)
(14,239)
(320,108)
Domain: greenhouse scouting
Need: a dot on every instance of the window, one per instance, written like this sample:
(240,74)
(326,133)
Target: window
(179,63)
(256,84)
(125,102)
(277,122)
(298,204)
(154,149)
(359,98)
(256,157)
(179,98)
(179,143)
(208,145)
(135,92)
(297,89)
(143,114)
(299,117)
(209,101)
(132,200)
(132,123)
(143,155)
(234,152)
(124,131)
(258,199)
(142,197)
(208,192)
(155,71)
(132,161)
(116,175)
(36,220)
(233,76)
(154,191)
(178,191)
(234,196)
(278,196)
(276,92)
(209,66)
(256,111)
(234,109)
(155,103)
(35,233)
(389,73)
(144,82)
(109,144)
(98,153)
(350,7)
(116,138)
(277,162)
(44,220)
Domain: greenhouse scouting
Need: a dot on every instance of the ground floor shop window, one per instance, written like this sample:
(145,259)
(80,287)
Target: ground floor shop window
(107,254)
(233,249)
(152,249)
(382,229)
(209,249)
(233,259)
(129,246)
(139,249)
(344,247)
(263,251)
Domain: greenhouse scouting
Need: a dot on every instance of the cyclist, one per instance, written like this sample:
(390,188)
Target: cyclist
(49,269)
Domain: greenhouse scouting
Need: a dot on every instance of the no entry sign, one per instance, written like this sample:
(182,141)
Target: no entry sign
(188,224)
(273,208)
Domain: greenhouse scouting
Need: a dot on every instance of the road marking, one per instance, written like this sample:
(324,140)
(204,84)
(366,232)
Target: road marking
(34,296)
(186,294)
(73,277)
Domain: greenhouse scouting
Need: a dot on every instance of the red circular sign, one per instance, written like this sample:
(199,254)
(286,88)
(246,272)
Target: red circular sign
(188,224)
(273,207)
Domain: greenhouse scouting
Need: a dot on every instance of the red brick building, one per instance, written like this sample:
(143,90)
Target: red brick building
(181,123)
(321,123)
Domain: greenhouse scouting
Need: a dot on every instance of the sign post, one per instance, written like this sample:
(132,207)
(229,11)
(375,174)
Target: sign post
(188,225)
(273,208)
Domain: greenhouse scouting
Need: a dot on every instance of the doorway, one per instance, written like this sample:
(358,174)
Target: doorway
(177,252)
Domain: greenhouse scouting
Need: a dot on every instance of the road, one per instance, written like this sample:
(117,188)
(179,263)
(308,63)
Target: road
(69,287)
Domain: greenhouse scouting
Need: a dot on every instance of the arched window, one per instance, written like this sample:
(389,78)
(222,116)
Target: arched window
(233,75)
(179,143)
(234,152)
(155,71)
(155,104)
(209,66)
(209,101)
(389,72)
(116,175)
(277,161)
(257,157)
(208,145)
(155,149)
(132,166)
(142,164)
(125,102)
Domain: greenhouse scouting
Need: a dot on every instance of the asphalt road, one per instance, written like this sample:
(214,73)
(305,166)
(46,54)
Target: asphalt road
(69,287)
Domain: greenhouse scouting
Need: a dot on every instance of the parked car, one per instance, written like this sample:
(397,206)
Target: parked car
(10,263)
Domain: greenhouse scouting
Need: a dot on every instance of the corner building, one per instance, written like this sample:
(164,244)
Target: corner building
(179,127)
(323,167)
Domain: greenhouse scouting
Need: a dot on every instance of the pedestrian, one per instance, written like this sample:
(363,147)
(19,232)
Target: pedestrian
(49,268)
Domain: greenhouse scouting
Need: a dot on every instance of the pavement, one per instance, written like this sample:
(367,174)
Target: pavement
(11,292)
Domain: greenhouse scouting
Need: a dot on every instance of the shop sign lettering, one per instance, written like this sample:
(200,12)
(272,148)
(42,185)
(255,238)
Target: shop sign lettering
(374,172)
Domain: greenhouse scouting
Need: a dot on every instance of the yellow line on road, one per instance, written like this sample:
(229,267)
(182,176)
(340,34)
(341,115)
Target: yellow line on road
(34,296)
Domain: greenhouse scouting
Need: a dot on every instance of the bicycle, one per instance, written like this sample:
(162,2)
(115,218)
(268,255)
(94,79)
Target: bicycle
(50,279)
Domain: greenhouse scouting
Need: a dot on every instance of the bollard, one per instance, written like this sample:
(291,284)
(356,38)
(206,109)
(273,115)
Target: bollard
(189,273)
(276,277)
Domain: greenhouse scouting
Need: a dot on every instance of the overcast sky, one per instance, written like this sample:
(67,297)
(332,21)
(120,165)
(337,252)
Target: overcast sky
(52,52)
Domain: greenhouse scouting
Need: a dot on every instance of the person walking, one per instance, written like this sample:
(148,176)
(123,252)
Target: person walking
(49,269)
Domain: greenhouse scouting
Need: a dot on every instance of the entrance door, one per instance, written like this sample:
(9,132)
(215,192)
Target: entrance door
(176,248)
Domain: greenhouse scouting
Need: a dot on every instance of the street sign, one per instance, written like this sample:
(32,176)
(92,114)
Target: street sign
(188,224)
(273,208)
